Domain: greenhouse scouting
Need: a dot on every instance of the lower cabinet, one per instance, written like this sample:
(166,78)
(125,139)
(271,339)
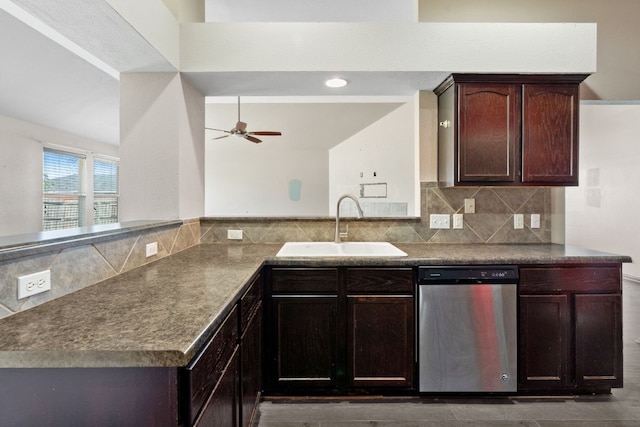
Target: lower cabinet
(221,409)
(380,328)
(337,330)
(570,329)
(251,366)
(304,343)
(222,384)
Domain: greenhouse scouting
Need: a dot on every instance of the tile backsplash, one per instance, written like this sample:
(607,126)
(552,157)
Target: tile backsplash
(492,221)
(76,267)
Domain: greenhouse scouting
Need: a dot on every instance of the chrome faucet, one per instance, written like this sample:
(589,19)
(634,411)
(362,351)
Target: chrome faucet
(360,215)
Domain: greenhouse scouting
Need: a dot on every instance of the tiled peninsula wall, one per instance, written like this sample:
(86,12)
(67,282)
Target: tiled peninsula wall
(492,222)
(85,264)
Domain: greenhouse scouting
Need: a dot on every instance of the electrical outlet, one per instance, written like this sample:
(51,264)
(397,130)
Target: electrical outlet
(535,220)
(32,284)
(469,206)
(234,234)
(458,221)
(439,221)
(151,249)
(518,221)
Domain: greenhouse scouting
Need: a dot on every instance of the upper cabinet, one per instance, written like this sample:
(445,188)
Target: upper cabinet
(508,129)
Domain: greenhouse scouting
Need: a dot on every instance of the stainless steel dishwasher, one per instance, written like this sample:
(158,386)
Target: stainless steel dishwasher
(467,329)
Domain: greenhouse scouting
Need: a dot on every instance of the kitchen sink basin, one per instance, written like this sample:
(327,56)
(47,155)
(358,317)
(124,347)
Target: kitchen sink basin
(344,249)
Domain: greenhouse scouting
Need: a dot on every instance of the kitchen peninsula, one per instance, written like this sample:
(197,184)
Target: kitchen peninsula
(130,348)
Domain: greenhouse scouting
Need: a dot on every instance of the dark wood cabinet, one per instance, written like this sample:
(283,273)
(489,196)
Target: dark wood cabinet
(335,330)
(221,409)
(305,342)
(202,377)
(544,342)
(222,384)
(301,329)
(598,341)
(550,134)
(570,329)
(508,129)
(488,133)
(251,352)
(380,327)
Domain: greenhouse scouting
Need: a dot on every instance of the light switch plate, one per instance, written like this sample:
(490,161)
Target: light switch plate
(458,221)
(518,221)
(535,220)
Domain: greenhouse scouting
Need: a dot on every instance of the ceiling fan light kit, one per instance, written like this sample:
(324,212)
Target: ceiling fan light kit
(241,130)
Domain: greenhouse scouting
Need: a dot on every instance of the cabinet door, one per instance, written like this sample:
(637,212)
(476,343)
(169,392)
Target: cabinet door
(598,341)
(221,410)
(544,342)
(380,341)
(303,335)
(550,134)
(488,133)
(251,366)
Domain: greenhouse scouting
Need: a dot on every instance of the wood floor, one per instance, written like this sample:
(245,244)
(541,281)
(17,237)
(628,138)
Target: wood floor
(620,409)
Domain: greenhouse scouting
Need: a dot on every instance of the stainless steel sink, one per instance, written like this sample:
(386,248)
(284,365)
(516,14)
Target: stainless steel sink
(344,249)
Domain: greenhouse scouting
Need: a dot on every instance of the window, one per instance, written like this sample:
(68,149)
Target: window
(105,191)
(64,197)
(67,181)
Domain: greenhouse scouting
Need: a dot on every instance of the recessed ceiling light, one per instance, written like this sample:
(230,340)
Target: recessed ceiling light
(335,83)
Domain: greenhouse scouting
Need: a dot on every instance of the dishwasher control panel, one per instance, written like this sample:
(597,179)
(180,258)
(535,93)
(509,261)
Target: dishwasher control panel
(453,274)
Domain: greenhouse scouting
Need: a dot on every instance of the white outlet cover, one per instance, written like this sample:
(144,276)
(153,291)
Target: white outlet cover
(234,234)
(32,284)
(439,221)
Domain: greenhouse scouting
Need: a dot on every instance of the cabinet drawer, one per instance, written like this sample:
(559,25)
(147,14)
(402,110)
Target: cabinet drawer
(204,371)
(305,280)
(250,301)
(380,281)
(570,279)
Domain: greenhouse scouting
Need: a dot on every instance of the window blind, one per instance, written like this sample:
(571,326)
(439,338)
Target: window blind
(105,191)
(63,190)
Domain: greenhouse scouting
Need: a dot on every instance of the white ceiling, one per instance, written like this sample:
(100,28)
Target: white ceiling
(311,126)
(45,81)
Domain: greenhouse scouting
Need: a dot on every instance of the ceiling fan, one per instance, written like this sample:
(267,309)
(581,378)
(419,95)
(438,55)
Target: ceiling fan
(241,130)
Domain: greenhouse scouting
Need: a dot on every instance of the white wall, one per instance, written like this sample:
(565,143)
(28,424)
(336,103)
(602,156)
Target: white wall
(602,212)
(388,47)
(381,148)
(311,10)
(21,145)
(162,140)
(246,179)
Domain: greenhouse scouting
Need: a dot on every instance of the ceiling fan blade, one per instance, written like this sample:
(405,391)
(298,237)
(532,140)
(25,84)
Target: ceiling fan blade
(252,139)
(220,137)
(265,133)
(219,130)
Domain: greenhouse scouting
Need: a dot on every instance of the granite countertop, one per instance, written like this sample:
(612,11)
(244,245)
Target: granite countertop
(21,245)
(160,314)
